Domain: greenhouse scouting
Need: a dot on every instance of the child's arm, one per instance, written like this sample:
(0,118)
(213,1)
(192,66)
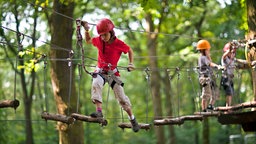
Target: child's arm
(87,34)
(219,67)
(130,65)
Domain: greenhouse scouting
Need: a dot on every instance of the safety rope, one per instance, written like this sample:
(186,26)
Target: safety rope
(79,83)
(246,54)
(149,92)
(193,88)
(80,43)
(178,89)
(45,87)
(71,54)
(20,46)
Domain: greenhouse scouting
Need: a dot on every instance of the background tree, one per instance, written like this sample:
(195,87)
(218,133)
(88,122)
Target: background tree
(251,8)
(62,72)
(23,68)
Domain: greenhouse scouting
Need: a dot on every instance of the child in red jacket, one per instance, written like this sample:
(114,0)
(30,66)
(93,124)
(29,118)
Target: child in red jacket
(110,49)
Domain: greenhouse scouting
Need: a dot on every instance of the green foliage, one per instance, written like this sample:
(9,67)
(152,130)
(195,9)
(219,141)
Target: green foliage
(175,48)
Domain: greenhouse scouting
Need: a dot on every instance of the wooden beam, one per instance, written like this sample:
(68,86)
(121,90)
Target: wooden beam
(57,117)
(128,125)
(249,127)
(177,120)
(250,104)
(85,118)
(238,118)
(208,114)
(9,103)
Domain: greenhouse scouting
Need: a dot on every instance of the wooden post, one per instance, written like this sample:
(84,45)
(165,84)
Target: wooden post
(57,117)
(9,103)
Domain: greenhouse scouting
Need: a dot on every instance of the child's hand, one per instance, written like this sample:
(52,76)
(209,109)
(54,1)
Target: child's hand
(131,67)
(253,63)
(220,67)
(85,25)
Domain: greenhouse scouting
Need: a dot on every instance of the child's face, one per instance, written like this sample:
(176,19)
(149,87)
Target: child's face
(207,51)
(105,37)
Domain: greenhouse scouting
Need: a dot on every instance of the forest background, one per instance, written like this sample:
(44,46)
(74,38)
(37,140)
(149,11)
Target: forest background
(38,36)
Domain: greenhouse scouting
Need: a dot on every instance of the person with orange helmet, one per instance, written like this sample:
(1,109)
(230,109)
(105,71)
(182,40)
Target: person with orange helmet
(206,77)
(110,49)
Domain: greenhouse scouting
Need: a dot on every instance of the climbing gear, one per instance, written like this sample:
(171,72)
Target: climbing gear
(135,125)
(80,44)
(203,44)
(104,26)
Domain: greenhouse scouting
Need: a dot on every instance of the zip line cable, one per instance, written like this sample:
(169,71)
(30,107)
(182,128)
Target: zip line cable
(53,46)
(60,48)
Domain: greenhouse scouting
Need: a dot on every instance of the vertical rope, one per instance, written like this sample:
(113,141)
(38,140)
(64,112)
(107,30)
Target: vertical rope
(71,53)
(149,92)
(79,83)
(45,88)
(192,84)
(107,100)
(16,65)
(80,43)
(178,89)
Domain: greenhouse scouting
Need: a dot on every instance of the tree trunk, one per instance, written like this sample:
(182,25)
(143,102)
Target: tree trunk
(205,131)
(62,74)
(251,18)
(155,83)
(27,97)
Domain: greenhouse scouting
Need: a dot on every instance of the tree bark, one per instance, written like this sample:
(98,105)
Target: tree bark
(61,72)
(155,77)
(9,103)
(206,131)
(251,19)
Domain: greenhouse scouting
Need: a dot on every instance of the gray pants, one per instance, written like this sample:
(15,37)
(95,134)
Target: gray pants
(97,87)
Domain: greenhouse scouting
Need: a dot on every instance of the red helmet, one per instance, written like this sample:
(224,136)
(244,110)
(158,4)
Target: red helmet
(226,47)
(105,25)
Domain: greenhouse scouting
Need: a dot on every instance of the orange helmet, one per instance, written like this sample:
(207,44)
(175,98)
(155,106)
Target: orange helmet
(226,47)
(105,25)
(203,44)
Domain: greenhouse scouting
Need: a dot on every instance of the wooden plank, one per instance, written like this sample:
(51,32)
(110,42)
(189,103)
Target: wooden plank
(57,117)
(85,118)
(208,114)
(128,125)
(244,105)
(249,127)
(9,103)
(238,118)
(177,120)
